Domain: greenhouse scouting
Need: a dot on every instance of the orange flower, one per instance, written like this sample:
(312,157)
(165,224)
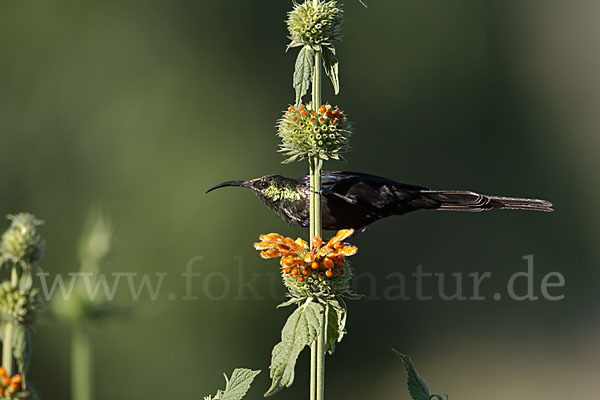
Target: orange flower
(9,385)
(298,259)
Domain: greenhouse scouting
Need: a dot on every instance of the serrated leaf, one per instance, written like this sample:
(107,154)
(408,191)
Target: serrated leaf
(303,72)
(239,383)
(236,387)
(300,330)
(336,323)
(331,66)
(417,388)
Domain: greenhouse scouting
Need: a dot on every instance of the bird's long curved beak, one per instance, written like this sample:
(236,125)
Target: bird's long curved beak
(229,183)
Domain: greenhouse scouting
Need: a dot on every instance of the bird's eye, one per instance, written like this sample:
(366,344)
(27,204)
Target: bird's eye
(263,184)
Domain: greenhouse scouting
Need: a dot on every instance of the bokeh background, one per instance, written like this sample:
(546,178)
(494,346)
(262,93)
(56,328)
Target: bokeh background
(142,106)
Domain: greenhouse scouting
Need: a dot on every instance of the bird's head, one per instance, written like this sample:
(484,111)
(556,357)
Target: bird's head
(270,188)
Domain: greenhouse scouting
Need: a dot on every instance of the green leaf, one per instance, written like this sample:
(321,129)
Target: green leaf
(289,302)
(26,281)
(303,73)
(22,347)
(300,330)
(332,69)
(352,296)
(336,323)
(238,385)
(292,45)
(417,388)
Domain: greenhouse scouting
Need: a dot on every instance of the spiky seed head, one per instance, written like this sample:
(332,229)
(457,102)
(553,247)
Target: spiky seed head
(319,282)
(21,242)
(314,26)
(306,131)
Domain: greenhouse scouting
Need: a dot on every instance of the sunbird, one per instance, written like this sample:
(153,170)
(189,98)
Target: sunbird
(356,200)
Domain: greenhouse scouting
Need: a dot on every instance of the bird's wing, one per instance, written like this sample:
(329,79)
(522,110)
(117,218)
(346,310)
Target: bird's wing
(376,191)
(330,178)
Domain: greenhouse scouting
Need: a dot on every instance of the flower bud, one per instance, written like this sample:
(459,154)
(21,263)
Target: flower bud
(19,305)
(21,242)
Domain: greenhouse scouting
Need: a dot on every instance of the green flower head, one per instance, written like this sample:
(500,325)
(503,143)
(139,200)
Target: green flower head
(314,26)
(324,132)
(22,242)
(17,305)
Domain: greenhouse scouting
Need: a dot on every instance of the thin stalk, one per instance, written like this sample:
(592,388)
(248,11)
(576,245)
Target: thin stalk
(317,348)
(315,163)
(313,370)
(81,364)
(14,276)
(321,355)
(7,360)
(7,348)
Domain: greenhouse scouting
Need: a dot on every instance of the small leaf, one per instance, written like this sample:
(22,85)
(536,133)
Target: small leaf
(26,281)
(238,385)
(303,72)
(291,301)
(292,45)
(22,347)
(300,330)
(364,3)
(417,388)
(352,296)
(331,65)
(336,323)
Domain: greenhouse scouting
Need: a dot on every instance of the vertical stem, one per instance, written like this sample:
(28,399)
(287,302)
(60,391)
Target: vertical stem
(315,163)
(14,276)
(313,370)
(317,348)
(321,355)
(7,360)
(81,364)
(7,348)
(315,196)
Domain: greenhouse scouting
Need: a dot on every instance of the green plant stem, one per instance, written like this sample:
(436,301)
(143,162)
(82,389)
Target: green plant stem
(7,360)
(81,364)
(14,276)
(315,163)
(313,370)
(321,355)
(317,348)
(7,348)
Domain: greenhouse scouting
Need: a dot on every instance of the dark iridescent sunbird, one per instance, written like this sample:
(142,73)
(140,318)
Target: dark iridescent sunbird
(355,200)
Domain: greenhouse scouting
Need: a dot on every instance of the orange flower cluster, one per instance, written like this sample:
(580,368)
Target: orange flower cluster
(325,112)
(300,260)
(8,386)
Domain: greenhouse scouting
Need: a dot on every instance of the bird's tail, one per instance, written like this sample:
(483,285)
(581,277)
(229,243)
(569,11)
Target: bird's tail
(475,202)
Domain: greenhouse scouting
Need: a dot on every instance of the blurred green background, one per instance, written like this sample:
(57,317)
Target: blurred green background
(144,105)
